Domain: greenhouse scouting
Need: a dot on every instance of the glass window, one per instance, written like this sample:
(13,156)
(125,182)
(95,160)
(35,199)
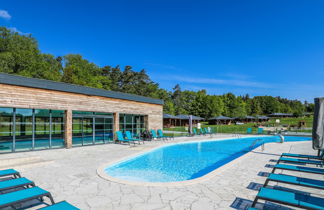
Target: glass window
(57,138)
(24,129)
(6,129)
(42,128)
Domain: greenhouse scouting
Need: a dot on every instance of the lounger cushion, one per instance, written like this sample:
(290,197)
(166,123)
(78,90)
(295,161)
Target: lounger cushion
(61,206)
(301,161)
(8,172)
(12,183)
(300,168)
(296,199)
(21,195)
(297,180)
(300,156)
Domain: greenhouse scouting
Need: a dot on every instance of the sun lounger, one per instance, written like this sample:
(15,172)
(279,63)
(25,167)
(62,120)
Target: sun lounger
(319,184)
(299,169)
(303,161)
(304,156)
(161,135)
(130,138)
(15,183)
(120,138)
(289,198)
(63,205)
(21,196)
(9,172)
(194,130)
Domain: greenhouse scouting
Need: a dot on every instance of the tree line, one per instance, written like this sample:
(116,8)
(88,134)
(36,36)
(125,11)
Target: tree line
(20,55)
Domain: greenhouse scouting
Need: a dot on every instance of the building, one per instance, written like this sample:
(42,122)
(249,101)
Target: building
(169,120)
(41,114)
(184,120)
(220,120)
(281,115)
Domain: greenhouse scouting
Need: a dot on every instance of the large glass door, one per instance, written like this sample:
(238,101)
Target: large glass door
(92,128)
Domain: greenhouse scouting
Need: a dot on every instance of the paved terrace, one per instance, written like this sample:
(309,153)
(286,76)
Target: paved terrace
(70,174)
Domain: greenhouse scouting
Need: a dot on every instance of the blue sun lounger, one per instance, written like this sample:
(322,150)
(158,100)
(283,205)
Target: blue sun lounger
(298,168)
(21,196)
(129,137)
(194,130)
(321,156)
(120,138)
(9,172)
(289,198)
(293,160)
(15,183)
(161,135)
(202,131)
(319,184)
(63,205)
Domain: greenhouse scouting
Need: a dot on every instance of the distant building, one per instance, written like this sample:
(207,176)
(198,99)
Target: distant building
(281,115)
(220,120)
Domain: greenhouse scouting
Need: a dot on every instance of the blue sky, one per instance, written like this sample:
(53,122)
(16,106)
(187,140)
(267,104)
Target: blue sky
(268,47)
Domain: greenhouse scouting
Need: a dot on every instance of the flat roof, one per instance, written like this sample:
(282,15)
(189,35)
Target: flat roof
(10,79)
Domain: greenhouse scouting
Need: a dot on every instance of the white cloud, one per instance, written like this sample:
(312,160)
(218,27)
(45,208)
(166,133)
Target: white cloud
(214,81)
(14,29)
(5,15)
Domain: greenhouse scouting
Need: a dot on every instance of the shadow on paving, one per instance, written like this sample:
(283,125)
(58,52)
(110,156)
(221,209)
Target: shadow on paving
(243,204)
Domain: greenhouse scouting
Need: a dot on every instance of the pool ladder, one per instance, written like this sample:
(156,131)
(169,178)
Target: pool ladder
(254,143)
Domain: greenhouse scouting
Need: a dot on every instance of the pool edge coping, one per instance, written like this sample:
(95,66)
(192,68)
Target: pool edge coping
(101,169)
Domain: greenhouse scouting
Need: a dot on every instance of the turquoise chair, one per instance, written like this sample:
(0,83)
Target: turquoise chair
(15,183)
(207,132)
(298,169)
(129,137)
(260,130)
(20,196)
(194,130)
(249,130)
(120,138)
(202,131)
(296,199)
(154,135)
(63,205)
(9,172)
(161,135)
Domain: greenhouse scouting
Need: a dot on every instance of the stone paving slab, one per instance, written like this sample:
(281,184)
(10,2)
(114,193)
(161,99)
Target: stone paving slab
(72,176)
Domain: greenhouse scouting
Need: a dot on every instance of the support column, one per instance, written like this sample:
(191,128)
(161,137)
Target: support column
(68,128)
(116,125)
(147,122)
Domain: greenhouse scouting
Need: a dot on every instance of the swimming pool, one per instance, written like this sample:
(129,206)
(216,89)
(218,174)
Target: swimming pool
(186,161)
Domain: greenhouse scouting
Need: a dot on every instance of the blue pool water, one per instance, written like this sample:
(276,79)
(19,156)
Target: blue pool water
(186,161)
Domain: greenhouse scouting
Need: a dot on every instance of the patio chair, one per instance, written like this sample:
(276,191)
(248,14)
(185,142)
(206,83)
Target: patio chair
(20,196)
(249,130)
(301,161)
(207,132)
(154,135)
(194,131)
(260,131)
(120,138)
(15,183)
(202,131)
(9,172)
(60,205)
(130,138)
(298,168)
(300,181)
(289,198)
(161,135)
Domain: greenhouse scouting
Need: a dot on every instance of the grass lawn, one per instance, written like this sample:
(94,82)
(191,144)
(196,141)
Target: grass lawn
(291,122)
